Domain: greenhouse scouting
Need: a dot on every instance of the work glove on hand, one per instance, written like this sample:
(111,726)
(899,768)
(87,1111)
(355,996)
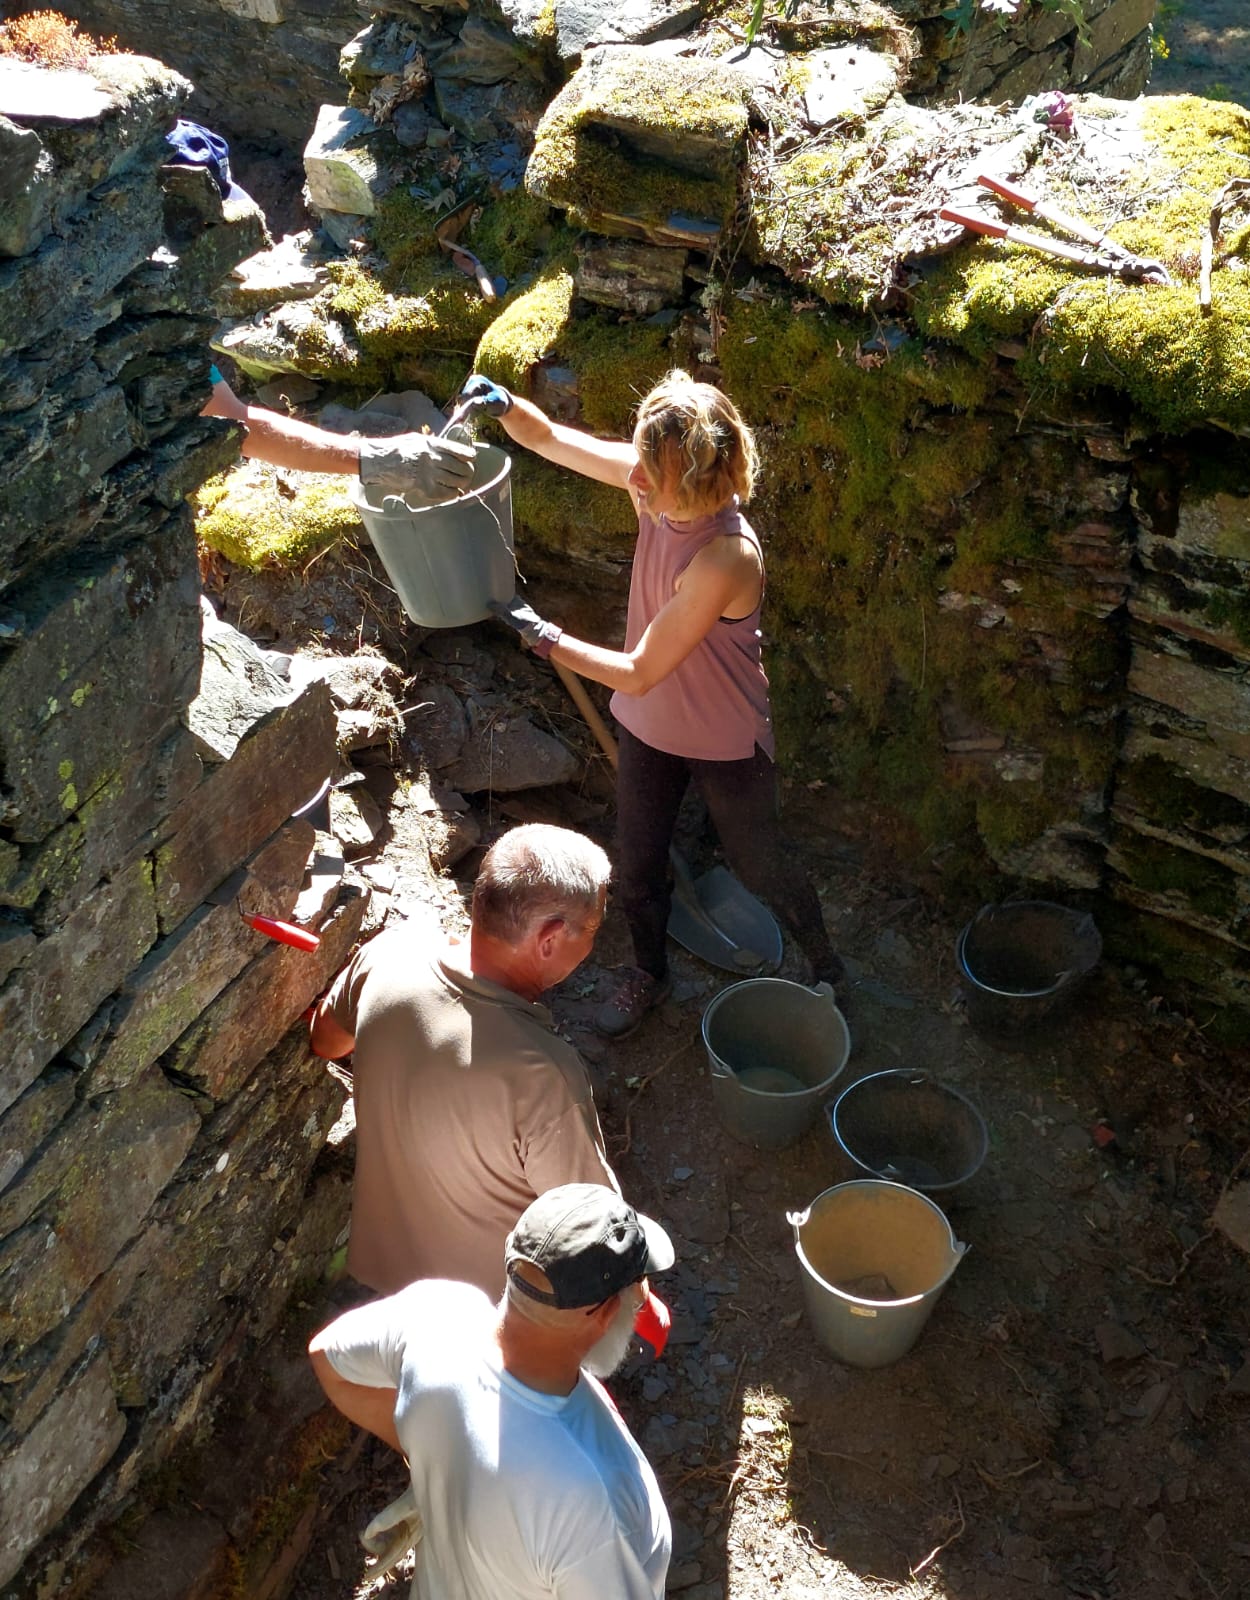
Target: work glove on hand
(395,1531)
(484,395)
(541,636)
(417,463)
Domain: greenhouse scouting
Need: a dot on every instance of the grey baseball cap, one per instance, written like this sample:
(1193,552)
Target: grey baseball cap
(588,1243)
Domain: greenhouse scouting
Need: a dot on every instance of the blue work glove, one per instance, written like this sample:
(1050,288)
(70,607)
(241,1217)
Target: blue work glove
(420,465)
(484,395)
(541,636)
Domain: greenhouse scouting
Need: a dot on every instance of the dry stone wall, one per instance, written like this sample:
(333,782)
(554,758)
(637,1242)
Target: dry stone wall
(1007,537)
(160,1116)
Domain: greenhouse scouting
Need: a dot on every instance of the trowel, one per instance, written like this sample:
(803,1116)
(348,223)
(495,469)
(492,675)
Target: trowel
(712,916)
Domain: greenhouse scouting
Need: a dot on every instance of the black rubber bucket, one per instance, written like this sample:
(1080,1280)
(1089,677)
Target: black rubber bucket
(905,1127)
(1022,963)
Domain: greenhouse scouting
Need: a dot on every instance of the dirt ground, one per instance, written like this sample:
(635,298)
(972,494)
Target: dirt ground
(1071,1421)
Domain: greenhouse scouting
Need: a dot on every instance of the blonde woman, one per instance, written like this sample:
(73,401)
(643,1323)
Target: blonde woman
(691,697)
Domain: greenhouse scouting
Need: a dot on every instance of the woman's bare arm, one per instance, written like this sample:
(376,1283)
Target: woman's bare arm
(723,579)
(606,460)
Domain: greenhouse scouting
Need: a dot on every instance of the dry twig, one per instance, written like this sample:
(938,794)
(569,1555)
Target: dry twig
(1168,1283)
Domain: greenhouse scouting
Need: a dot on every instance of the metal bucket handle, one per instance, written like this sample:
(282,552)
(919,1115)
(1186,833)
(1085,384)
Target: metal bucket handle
(715,1067)
(800,1219)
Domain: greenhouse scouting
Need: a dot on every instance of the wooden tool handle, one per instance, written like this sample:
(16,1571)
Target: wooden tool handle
(583,702)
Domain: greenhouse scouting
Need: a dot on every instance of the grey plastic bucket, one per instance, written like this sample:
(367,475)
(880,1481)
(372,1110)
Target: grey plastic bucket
(447,561)
(908,1128)
(875,1258)
(774,1049)
(1022,962)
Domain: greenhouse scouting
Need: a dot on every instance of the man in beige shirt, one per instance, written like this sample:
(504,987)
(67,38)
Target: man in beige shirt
(468,1106)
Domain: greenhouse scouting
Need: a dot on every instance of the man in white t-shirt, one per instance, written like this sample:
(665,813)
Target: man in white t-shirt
(526,1480)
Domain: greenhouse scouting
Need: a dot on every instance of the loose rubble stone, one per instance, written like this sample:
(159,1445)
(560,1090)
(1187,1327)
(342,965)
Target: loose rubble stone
(239,684)
(1118,1343)
(846,81)
(630,275)
(508,754)
(1232,1215)
(340,168)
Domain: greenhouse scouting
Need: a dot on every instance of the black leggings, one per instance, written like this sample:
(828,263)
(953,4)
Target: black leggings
(741,798)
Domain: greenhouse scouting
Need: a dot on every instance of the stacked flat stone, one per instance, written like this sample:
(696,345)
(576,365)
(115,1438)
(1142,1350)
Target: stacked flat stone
(160,1114)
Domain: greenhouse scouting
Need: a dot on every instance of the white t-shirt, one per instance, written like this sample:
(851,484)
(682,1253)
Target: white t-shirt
(523,1495)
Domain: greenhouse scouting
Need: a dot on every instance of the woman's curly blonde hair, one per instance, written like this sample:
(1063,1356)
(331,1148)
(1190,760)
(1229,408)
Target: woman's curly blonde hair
(692,434)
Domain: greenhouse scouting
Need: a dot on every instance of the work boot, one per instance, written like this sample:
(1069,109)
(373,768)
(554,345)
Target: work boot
(635,995)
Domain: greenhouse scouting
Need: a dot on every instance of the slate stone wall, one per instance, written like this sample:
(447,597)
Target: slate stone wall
(160,1114)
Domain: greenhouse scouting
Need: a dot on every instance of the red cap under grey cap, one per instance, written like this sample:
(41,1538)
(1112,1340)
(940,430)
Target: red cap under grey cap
(588,1243)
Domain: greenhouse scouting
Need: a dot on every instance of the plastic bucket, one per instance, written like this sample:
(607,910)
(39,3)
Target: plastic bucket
(907,1128)
(1022,962)
(447,561)
(774,1049)
(875,1258)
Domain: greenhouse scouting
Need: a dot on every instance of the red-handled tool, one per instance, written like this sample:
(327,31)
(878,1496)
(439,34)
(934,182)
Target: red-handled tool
(1102,255)
(652,1323)
(283,932)
(1024,201)
(978,222)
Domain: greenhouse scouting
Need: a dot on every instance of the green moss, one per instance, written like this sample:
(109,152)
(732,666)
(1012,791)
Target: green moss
(570,512)
(616,365)
(1230,609)
(1163,869)
(528,328)
(515,234)
(403,229)
(591,150)
(250,516)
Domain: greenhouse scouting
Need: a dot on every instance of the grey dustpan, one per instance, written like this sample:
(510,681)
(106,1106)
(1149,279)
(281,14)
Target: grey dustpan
(722,923)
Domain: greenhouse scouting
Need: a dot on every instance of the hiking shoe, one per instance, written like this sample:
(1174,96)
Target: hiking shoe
(635,995)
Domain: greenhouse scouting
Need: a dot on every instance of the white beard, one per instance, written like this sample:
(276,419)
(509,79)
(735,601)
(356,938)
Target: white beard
(612,1346)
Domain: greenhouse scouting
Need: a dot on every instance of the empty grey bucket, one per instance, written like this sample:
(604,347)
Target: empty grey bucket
(447,561)
(907,1127)
(774,1049)
(1021,963)
(875,1258)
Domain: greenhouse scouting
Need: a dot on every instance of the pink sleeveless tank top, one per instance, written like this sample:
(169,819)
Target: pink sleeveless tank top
(714,706)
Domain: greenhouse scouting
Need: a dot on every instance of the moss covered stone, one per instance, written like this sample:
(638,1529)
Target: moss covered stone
(642,136)
(258,516)
(1084,331)
(528,328)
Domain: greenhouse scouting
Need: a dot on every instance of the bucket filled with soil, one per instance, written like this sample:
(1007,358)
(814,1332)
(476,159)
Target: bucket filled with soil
(908,1128)
(875,1258)
(775,1050)
(449,560)
(1022,963)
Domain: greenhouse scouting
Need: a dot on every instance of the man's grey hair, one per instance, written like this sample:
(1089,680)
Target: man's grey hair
(534,873)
